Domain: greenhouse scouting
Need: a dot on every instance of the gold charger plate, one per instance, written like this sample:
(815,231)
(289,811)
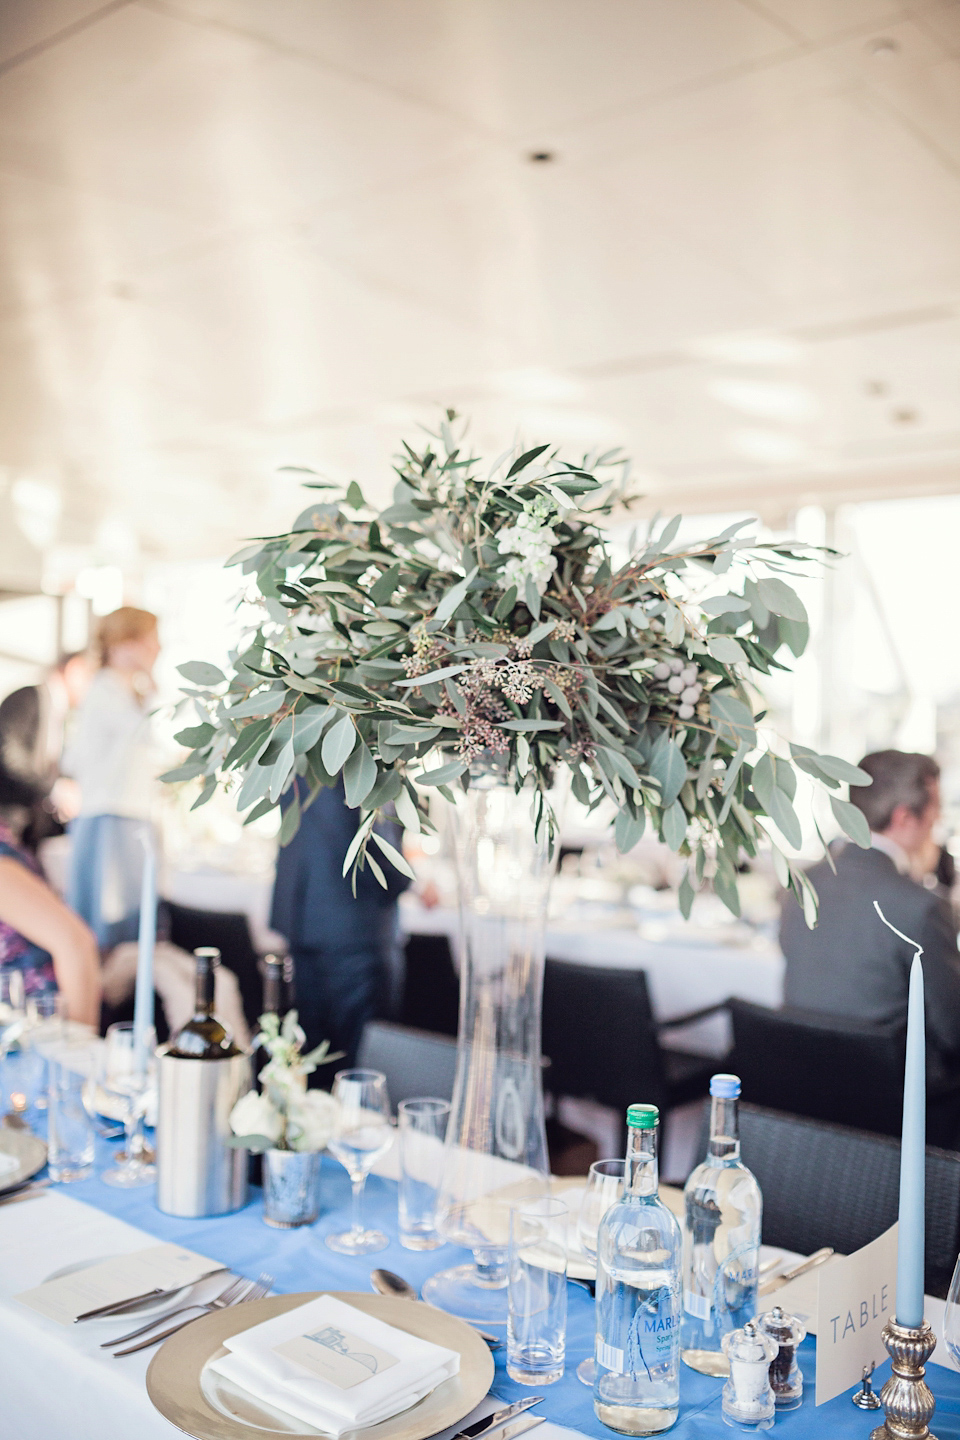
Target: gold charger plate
(26,1149)
(208,1407)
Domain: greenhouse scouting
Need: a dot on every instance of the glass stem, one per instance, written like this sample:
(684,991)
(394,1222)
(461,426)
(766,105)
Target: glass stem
(357,1183)
(133,1135)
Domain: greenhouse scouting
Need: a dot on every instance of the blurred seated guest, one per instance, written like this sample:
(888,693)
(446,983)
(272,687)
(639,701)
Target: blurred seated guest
(851,965)
(33,723)
(39,936)
(111,756)
(343,947)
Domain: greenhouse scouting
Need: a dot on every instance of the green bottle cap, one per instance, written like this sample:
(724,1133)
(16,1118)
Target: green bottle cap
(643,1117)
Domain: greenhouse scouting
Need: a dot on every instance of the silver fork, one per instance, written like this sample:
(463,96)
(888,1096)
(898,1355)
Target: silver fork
(257,1290)
(227,1295)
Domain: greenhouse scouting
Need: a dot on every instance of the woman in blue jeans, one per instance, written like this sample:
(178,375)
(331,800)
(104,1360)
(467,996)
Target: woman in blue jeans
(342,946)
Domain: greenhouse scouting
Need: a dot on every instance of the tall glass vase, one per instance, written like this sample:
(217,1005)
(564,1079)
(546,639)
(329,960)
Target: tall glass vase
(496,1148)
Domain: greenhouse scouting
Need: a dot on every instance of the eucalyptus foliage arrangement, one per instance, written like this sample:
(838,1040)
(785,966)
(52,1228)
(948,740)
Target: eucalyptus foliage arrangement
(481,622)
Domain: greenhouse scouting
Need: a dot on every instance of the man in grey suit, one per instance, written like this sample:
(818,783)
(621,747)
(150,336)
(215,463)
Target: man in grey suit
(851,965)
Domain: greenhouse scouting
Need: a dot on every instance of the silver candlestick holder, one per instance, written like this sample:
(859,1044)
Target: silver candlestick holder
(906,1397)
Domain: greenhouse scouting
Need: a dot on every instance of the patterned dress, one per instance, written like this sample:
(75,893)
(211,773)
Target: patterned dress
(16,951)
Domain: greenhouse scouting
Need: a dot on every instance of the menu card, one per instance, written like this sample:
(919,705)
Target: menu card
(159,1267)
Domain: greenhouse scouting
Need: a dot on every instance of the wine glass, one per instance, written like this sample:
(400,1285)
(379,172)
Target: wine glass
(604,1188)
(126,1085)
(363,1133)
(21,1068)
(951,1318)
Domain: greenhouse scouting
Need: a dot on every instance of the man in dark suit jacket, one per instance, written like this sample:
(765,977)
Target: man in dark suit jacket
(851,965)
(342,946)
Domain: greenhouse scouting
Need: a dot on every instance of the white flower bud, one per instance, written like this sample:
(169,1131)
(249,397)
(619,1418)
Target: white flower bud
(676,666)
(691,695)
(689,673)
(674,684)
(686,712)
(661,671)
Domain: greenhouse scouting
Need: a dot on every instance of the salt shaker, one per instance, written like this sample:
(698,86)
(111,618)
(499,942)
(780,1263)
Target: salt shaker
(786,1377)
(747,1397)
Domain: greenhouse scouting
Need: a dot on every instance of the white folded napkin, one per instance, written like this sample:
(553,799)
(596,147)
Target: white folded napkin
(335,1367)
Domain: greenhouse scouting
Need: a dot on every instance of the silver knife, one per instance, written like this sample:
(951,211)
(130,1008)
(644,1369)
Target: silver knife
(119,1306)
(526,1423)
(498,1418)
(776,1281)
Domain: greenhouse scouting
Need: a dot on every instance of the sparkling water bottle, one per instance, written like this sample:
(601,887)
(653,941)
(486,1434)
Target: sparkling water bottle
(637,1352)
(721,1239)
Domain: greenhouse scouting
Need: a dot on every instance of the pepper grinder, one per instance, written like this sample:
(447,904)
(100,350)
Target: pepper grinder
(748,1401)
(786,1377)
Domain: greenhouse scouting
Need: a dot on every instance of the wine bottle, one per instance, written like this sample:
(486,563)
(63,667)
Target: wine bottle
(204,1037)
(637,1354)
(722,1208)
(272,984)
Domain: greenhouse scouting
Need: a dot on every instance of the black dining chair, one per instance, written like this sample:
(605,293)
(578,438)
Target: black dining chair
(431,989)
(826,1184)
(415,1062)
(604,1044)
(827,1068)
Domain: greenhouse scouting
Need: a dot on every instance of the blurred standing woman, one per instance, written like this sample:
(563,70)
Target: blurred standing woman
(112,758)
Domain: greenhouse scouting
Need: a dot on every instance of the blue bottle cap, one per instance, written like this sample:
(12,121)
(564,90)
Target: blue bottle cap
(725,1087)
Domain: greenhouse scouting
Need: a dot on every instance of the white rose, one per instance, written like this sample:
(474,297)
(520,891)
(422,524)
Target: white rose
(312,1119)
(254,1115)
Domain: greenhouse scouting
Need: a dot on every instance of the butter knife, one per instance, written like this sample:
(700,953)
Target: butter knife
(118,1307)
(498,1418)
(526,1422)
(817,1258)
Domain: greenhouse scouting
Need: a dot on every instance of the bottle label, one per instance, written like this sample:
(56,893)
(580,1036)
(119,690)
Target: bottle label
(609,1356)
(698,1305)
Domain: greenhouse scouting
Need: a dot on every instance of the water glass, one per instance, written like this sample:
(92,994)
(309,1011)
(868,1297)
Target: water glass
(604,1188)
(951,1318)
(423,1126)
(537,1292)
(125,1088)
(363,1133)
(70,1136)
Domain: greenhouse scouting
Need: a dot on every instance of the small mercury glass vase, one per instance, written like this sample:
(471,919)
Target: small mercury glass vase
(291,1188)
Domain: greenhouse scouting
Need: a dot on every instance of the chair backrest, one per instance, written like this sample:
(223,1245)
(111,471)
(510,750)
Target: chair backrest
(825,1184)
(415,1062)
(431,991)
(600,1037)
(230,933)
(820,1066)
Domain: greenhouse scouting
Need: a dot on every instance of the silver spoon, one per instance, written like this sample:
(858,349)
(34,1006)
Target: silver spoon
(387,1282)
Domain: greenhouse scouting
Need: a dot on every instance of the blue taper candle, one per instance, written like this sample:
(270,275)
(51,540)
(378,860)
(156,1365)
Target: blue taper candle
(143,995)
(910,1242)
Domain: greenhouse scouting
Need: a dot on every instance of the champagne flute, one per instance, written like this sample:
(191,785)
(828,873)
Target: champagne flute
(951,1318)
(363,1133)
(604,1188)
(128,1088)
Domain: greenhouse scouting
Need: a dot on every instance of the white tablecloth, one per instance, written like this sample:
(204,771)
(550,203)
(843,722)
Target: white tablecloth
(682,976)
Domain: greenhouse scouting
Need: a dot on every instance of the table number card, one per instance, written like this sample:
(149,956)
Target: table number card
(855,1300)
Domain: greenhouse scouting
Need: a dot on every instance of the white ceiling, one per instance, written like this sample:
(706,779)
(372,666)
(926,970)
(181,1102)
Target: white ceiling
(240,233)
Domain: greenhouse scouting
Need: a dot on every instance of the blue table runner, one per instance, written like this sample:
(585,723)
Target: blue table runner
(299,1260)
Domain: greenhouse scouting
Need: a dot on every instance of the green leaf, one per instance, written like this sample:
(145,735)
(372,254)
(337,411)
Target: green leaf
(263,704)
(627,829)
(359,776)
(781,599)
(540,632)
(189,771)
(674,825)
(832,766)
(723,604)
(621,766)
(353,849)
(731,712)
(686,895)
(783,815)
(337,745)
(528,725)
(308,725)
(668,768)
(454,598)
(532,597)
(725,649)
(290,823)
(808,899)
(412,734)
(201,672)
(254,1143)
(852,821)
(407,812)
(393,855)
(381,591)
(354,496)
(442,775)
(206,793)
(725,884)
(525,459)
(280,772)
(195,736)
(249,745)
(764,781)
(505,604)
(431,677)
